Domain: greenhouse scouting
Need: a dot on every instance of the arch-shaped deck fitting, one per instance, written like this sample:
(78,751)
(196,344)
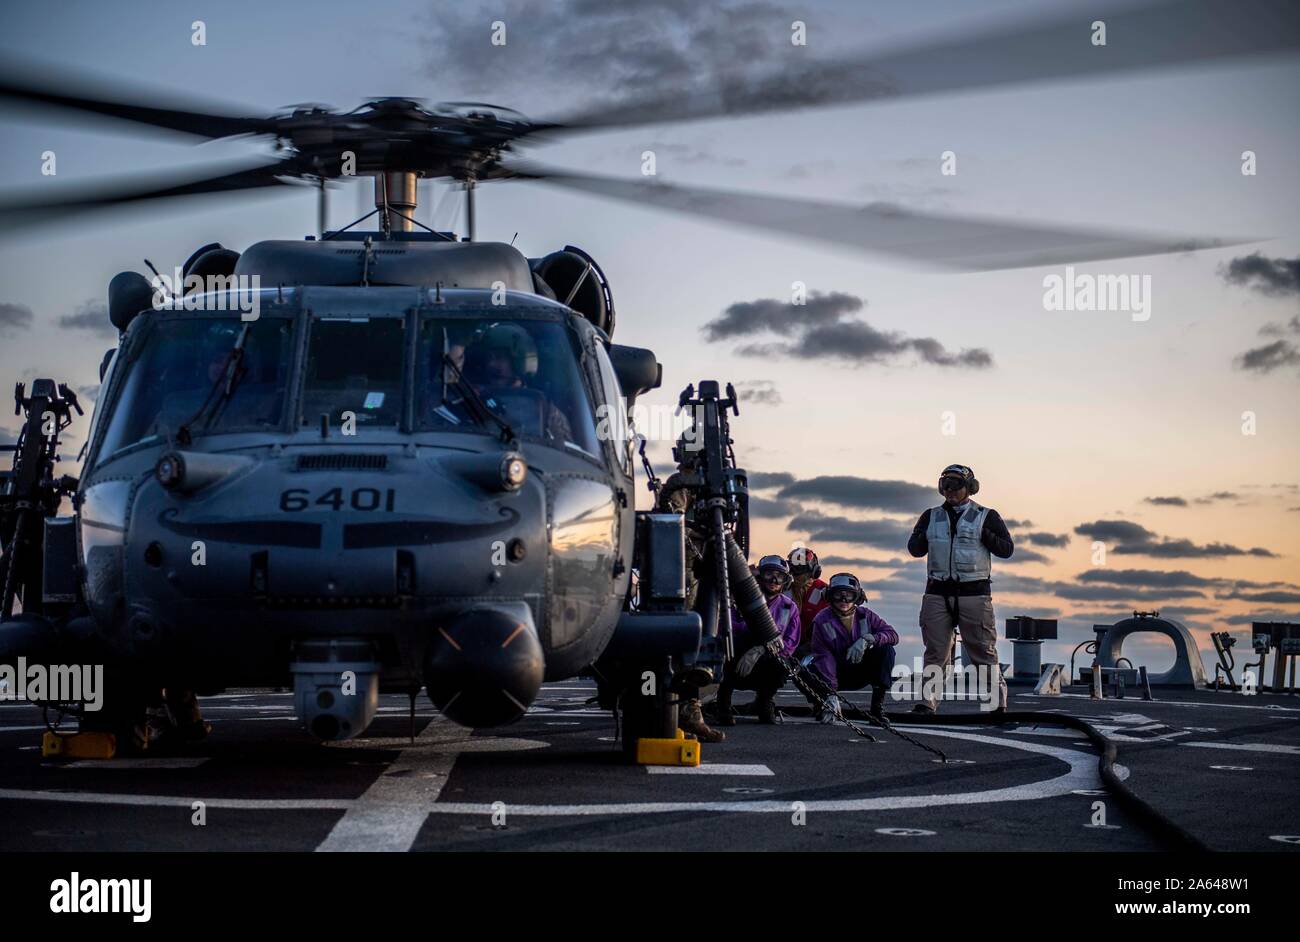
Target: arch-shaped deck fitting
(1188,670)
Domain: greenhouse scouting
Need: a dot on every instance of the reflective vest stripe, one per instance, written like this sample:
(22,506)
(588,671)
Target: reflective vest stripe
(963,555)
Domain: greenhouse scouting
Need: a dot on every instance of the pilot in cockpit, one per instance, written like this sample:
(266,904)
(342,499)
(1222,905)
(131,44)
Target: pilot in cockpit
(501,362)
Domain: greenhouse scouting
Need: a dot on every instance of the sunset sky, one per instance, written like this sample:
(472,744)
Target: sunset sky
(1081,426)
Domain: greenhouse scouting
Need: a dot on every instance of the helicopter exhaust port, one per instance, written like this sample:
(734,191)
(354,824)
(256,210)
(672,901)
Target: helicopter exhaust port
(335,686)
(485,668)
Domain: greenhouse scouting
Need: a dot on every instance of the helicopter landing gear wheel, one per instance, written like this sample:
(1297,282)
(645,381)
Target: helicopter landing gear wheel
(646,717)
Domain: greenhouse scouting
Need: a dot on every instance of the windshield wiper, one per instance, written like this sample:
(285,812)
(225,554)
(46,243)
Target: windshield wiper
(475,405)
(230,376)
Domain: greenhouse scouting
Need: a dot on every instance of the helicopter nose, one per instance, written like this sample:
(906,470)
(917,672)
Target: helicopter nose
(485,668)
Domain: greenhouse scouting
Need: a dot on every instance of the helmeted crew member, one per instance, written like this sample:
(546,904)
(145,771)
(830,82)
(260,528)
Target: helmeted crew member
(959,536)
(852,646)
(808,591)
(675,496)
(504,357)
(755,668)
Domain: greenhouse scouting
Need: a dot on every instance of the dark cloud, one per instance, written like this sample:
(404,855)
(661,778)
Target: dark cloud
(820,329)
(1263,616)
(1275,277)
(92,316)
(746,318)
(1123,536)
(8,437)
(1270,357)
(762,480)
(830,563)
(859,342)
(1096,593)
(881,534)
(1023,555)
(889,496)
(1022,584)
(1017,523)
(565,55)
(1279,330)
(1218,496)
(1045,539)
(14,317)
(1276,597)
(768,509)
(1147,578)
(1166,501)
(758,392)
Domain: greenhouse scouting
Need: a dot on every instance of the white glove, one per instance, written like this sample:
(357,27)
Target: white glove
(859,648)
(830,710)
(745,663)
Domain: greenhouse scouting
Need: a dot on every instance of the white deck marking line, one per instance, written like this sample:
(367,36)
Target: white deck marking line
(178,801)
(1120,734)
(1082,774)
(714,768)
(1149,704)
(1246,747)
(390,813)
(1047,731)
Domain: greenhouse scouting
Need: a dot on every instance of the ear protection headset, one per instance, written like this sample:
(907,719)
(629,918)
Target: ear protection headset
(846,580)
(803,558)
(963,472)
(775,563)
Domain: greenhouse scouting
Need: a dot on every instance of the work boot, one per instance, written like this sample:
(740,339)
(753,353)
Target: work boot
(721,709)
(178,721)
(766,709)
(877,708)
(690,720)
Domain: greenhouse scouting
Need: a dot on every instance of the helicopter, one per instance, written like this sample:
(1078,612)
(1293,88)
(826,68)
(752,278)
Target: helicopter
(401,459)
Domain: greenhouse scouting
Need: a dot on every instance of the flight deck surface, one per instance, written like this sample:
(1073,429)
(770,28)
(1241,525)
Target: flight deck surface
(1221,766)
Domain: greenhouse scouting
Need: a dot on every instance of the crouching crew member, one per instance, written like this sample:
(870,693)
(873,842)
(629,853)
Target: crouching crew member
(959,537)
(852,646)
(808,591)
(755,668)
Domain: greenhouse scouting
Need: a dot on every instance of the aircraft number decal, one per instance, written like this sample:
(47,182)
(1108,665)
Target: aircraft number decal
(297,499)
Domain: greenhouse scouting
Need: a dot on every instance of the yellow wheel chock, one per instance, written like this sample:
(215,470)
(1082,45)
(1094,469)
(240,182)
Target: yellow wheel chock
(678,751)
(88,745)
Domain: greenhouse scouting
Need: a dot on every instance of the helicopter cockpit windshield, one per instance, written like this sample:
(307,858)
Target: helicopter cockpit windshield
(193,375)
(354,371)
(524,370)
(181,372)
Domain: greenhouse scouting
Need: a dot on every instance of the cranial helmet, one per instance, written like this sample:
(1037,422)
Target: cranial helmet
(803,560)
(774,564)
(963,472)
(510,340)
(846,580)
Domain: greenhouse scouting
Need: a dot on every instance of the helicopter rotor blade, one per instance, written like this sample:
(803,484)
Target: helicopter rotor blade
(964,243)
(107,98)
(121,191)
(1044,48)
